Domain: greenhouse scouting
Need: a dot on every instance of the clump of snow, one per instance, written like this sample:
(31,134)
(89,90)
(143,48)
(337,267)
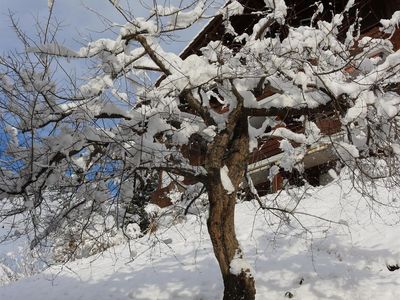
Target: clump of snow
(183,19)
(209,132)
(279,9)
(312,132)
(288,134)
(273,171)
(226,181)
(347,151)
(96,85)
(50,4)
(390,25)
(291,156)
(333,174)
(239,265)
(359,110)
(388,104)
(214,50)
(139,25)
(54,48)
(197,70)
(133,231)
(152,209)
(319,10)
(349,5)
(396,148)
(115,2)
(232,9)
(6,275)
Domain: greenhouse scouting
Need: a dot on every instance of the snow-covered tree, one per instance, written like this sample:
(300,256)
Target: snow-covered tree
(78,148)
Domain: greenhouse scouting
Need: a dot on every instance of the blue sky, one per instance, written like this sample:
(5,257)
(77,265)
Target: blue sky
(78,20)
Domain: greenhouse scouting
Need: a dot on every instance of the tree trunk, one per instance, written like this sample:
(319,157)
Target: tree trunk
(230,149)
(221,228)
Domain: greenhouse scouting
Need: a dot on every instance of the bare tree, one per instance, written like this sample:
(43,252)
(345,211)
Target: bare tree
(78,149)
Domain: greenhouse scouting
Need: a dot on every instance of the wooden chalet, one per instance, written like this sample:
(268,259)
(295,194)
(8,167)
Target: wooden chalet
(320,157)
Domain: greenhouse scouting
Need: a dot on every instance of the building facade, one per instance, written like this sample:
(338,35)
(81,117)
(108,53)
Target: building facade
(320,157)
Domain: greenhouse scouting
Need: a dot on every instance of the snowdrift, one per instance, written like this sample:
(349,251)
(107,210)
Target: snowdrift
(339,245)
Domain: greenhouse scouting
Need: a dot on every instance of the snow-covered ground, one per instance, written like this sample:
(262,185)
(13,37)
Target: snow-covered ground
(309,257)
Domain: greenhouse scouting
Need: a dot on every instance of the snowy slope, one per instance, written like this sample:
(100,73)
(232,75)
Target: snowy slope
(342,260)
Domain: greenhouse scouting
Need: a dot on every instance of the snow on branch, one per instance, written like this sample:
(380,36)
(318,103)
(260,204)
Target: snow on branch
(390,25)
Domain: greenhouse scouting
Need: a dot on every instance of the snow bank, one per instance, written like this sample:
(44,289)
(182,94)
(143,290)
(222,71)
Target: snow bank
(342,255)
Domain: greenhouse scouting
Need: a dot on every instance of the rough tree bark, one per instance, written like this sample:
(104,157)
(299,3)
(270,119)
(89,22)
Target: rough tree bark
(232,150)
